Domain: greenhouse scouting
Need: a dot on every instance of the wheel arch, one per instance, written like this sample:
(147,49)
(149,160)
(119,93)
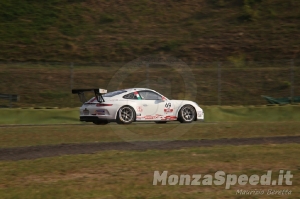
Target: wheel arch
(178,110)
(116,114)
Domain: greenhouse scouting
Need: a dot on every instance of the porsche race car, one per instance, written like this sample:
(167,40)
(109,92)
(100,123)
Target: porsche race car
(135,104)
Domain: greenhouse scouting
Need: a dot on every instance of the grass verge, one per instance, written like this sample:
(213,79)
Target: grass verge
(212,114)
(129,174)
(51,135)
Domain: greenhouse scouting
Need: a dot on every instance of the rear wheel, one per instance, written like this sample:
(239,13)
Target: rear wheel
(187,114)
(126,115)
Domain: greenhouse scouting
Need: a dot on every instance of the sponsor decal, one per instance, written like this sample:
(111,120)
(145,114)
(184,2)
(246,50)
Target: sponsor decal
(170,118)
(100,112)
(140,118)
(150,117)
(86,112)
(168,110)
(139,109)
(158,117)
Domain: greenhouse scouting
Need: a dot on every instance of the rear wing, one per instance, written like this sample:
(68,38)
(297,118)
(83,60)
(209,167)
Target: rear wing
(98,94)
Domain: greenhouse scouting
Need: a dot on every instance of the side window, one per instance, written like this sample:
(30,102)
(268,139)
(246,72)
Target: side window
(149,95)
(130,96)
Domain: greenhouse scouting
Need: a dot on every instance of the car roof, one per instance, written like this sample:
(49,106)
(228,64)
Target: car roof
(129,90)
(136,89)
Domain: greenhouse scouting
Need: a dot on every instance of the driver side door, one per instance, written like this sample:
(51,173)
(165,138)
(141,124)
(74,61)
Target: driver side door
(151,104)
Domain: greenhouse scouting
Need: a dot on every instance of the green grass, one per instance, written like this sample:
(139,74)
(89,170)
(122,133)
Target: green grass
(87,30)
(43,115)
(129,174)
(51,135)
(251,113)
(40,116)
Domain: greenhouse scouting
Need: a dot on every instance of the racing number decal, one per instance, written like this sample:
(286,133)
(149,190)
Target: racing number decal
(168,108)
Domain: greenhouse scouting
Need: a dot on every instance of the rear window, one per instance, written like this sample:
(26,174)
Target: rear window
(114,93)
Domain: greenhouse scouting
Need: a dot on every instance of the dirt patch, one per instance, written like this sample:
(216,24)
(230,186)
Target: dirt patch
(34,152)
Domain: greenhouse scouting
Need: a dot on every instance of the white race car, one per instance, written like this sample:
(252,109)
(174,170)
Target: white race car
(135,104)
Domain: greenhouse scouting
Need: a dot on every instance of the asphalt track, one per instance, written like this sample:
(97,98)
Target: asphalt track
(34,152)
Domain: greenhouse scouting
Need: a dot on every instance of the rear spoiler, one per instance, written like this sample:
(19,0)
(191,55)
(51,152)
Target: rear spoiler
(98,94)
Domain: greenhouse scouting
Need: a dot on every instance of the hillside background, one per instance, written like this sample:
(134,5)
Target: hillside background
(121,30)
(237,50)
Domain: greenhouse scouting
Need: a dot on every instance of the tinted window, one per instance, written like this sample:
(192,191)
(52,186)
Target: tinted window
(149,95)
(130,96)
(114,93)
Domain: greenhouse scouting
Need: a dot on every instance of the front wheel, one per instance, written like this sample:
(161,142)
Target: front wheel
(126,115)
(187,114)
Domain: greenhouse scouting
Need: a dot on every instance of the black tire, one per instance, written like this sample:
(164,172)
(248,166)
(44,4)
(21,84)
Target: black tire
(101,122)
(126,115)
(187,114)
(161,122)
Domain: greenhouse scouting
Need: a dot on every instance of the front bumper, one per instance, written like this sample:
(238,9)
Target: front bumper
(200,115)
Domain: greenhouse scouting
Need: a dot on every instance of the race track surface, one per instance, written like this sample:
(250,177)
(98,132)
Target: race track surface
(33,152)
